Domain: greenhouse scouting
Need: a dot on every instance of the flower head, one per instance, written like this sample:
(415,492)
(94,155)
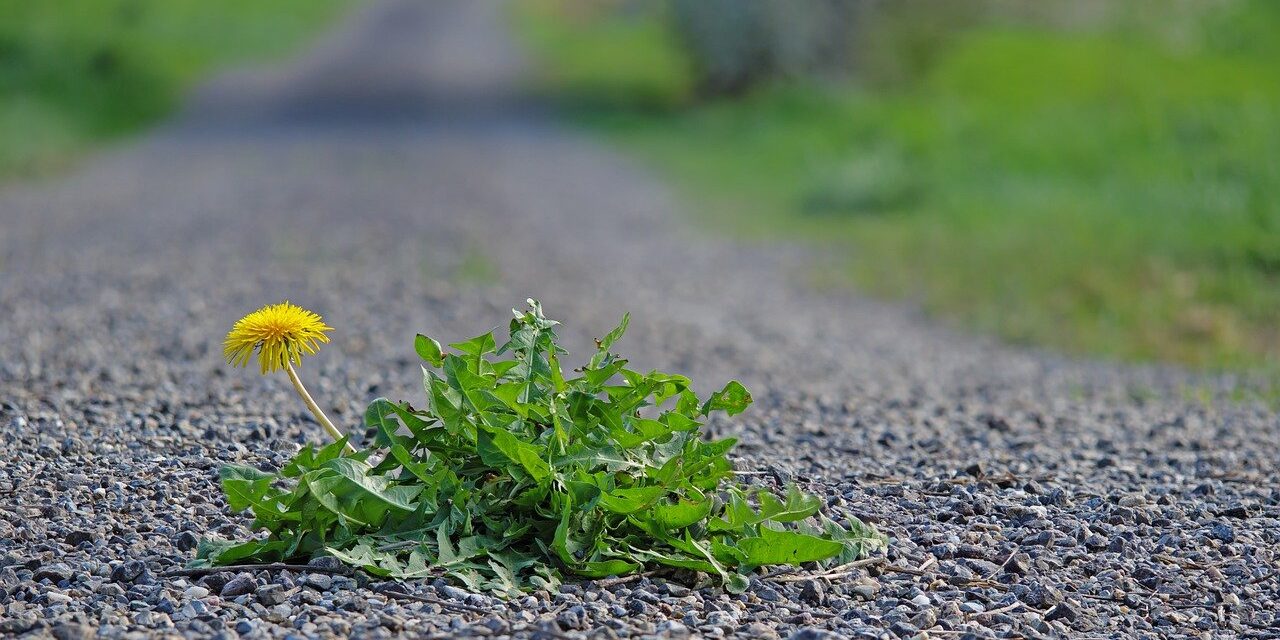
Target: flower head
(279,333)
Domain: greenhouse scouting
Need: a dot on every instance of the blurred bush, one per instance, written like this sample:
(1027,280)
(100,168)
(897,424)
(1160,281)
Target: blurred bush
(73,71)
(611,55)
(738,44)
(1097,176)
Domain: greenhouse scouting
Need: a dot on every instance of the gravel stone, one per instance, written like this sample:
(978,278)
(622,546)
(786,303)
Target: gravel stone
(186,541)
(811,591)
(216,581)
(1042,596)
(128,572)
(574,617)
(1223,532)
(673,628)
(55,573)
(272,594)
(71,631)
(238,586)
(1062,611)
(74,538)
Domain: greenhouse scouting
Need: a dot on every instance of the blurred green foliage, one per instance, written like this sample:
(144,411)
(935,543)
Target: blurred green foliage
(76,71)
(1104,187)
(607,60)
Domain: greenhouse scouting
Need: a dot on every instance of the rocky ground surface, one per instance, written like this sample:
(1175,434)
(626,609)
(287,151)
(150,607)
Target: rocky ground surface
(393,181)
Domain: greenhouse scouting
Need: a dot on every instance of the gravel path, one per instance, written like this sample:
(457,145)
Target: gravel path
(393,181)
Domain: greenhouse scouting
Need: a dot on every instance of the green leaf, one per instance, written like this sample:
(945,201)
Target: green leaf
(359,475)
(675,560)
(560,543)
(418,468)
(626,501)
(428,349)
(737,583)
(497,446)
(787,547)
(381,417)
(732,399)
(738,514)
(607,458)
(605,568)
(475,388)
(640,430)
(248,488)
(378,563)
(220,552)
(681,514)
(797,507)
(444,401)
(607,341)
(676,421)
(477,346)
(858,540)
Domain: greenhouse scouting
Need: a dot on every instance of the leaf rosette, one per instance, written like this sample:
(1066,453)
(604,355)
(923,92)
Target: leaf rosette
(512,475)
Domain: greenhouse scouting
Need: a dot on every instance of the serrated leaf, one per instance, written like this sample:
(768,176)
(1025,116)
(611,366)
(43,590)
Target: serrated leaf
(608,340)
(605,568)
(626,501)
(858,540)
(675,560)
(797,507)
(248,488)
(496,446)
(787,547)
(221,552)
(681,514)
(358,474)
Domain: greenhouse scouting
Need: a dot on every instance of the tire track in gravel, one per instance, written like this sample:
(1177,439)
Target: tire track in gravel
(1041,496)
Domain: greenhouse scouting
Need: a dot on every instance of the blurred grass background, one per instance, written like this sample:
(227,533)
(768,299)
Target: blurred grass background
(76,72)
(1097,177)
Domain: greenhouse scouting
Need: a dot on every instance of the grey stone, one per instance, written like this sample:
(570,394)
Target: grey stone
(186,541)
(574,617)
(1062,611)
(238,586)
(78,536)
(1223,532)
(128,571)
(812,633)
(55,572)
(71,631)
(272,594)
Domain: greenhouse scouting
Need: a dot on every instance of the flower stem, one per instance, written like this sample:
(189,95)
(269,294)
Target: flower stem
(315,408)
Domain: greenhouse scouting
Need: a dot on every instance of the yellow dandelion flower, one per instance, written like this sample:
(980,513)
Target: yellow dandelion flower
(279,333)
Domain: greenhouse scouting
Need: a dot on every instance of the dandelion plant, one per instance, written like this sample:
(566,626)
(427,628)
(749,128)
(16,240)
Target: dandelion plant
(512,475)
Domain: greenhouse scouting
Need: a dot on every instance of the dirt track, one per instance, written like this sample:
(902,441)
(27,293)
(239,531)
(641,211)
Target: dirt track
(395,181)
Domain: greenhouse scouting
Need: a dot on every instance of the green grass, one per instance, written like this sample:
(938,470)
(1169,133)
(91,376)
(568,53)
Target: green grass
(75,72)
(1100,191)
